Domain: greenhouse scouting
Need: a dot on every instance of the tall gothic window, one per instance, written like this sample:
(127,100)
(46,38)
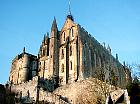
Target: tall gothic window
(70,50)
(70,65)
(43,52)
(62,68)
(71,32)
(64,36)
(62,55)
(12,80)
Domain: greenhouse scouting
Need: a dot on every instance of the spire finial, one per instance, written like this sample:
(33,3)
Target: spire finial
(44,38)
(70,15)
(24,50)
(69,8)
(48,34)
(54,25)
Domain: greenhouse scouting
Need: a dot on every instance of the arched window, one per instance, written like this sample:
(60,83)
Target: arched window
(64,36)
(70,50)
(62,68)
(71,32)
(18,75)
(12,79)
(62,55)
(70,65)
(43,52)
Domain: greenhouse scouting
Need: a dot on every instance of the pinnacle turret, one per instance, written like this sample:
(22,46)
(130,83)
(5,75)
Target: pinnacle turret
(54,29)
(47,38)
(54,25)
(47,35)
(44,38)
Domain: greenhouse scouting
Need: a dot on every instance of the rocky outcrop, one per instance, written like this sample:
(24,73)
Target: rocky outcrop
(89,91)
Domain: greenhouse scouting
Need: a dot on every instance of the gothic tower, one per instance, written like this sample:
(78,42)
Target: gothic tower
(68,52)
(53,53)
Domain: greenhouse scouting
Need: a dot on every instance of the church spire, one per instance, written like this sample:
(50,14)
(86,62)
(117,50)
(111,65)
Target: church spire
(24,50)
(54,29)
(54,25)
(70,15)
(69,8)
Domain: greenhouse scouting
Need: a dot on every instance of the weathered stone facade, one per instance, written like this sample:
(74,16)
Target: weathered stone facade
(28,88)
(69,55)
(73,54)
(23,68)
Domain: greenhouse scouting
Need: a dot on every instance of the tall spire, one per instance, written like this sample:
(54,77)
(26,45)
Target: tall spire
(69,8)
(44,38)
(54,25)
(70,15)
(24,50)
(54,29)
(47,38)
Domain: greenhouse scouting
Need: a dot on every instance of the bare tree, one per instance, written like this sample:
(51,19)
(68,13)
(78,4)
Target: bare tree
(135,70)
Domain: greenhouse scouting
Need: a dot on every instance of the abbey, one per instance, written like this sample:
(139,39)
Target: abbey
(70,54)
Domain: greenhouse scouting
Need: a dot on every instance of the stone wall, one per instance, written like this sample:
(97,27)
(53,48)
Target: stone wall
(87,91)
(28,88)
(97,61)
(23,68)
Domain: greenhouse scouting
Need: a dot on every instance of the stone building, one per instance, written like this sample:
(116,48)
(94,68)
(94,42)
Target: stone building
(23,68)
(70,54)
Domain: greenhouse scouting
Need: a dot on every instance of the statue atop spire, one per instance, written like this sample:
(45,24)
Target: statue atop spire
(70,15)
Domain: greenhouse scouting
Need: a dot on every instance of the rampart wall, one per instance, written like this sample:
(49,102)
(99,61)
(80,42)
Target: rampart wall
(28,88)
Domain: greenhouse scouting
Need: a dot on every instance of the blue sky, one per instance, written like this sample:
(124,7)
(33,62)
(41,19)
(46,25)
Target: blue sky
(24,23)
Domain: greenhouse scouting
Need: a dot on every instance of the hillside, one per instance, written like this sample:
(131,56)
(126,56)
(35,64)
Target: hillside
(90,91)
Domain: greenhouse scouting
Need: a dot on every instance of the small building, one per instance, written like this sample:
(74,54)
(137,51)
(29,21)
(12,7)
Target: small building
(23,68)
